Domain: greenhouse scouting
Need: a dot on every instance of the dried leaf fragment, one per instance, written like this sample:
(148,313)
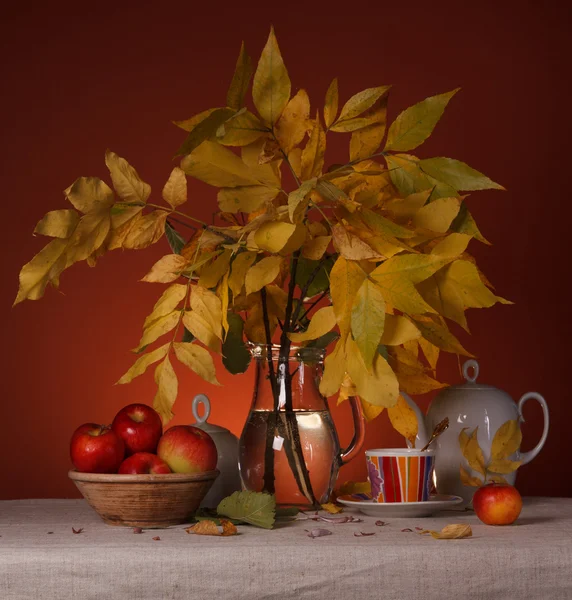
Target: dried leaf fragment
(332,508)
(380,523)
(156,539)
(80,530)
(208,527)
(407,530)
(314,533)
(137,530)
(452,532)
(362,534)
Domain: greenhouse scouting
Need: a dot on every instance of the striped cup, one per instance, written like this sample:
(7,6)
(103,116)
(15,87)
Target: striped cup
(400,474)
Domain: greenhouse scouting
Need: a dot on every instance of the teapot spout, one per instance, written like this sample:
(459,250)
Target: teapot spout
(422,436)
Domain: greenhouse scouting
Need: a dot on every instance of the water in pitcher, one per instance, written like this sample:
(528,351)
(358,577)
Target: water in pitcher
(320,447)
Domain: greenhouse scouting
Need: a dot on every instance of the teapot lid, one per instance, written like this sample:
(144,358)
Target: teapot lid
(471,378)
(201,422)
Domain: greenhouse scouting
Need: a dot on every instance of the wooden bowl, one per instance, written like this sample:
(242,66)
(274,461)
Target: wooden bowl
(144,500)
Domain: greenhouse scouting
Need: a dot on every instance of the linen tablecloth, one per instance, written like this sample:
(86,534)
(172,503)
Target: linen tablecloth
(526,561)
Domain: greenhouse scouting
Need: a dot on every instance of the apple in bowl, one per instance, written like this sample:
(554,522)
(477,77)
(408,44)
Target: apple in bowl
(188,449)
(139,426)
(96,449)
(143,463)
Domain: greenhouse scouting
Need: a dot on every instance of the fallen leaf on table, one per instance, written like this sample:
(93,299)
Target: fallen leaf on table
(210,528)
(380,523)
(77,530)
(48,532)
(314,533)
(137,530)
(256,508)
(451,532)
(362,534)
(156,539)
(419,528)
(332,508)
(407,530)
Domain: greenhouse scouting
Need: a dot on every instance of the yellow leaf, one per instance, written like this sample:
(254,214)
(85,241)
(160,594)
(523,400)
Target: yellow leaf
(198,359)
(271,86)
(246,199)
(346,278)
(192,122)
(262,273)
(222,294)
(415,124)
(352,247)
(506,441)
(370,412)
(167,388)
(296,199)
(292,125)
(159,327)
(211,274)
(167,303)
(295,160)
(398,330)
(467,479)
(208,305)
(355,106)
(503,465)
(205,130)
(126,181)
(332,508)
(378,385)
(334,370)
(437,215)
(403,419)
(89,194)
(405,208)
(240,130)
(312,161)
(140,365)
(175,190)
(472,451)
(452,245)
(240,80)
(45,267)
(331,104)
(273,235)
(218,166)
(140,232)
(240,266)
(166,269)
(201,329)
(406,175)
(347,390)
(323,321)
(457,174)
(415,381)
(430,351)
(368,320)
(354,487)
(58,224)
(453,532)
(464,223)
(436,332)
(316,247)
(365,141)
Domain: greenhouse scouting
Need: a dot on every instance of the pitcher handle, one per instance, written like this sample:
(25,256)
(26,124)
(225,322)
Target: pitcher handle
(526,457)
(359,432)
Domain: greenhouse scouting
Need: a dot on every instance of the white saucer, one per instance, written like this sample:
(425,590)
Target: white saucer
(399,509)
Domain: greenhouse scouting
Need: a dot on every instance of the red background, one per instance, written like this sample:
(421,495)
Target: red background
(82,77)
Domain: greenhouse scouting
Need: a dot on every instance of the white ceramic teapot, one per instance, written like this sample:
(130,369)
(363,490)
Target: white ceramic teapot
(470,405)
(227,447)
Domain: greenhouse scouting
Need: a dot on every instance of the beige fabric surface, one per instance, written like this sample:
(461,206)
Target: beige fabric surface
(527,561)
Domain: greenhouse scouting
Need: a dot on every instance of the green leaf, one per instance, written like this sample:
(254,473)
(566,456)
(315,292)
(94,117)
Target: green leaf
(235,355)
(256,508)
(174,238)
(240,80)
(383,351)
(368,319)
(204,130)
(416,123)
(321,281)
(464,223)
(457,174)
(406,175)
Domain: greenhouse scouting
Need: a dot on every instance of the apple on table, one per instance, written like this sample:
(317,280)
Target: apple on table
(139,426)
(96,449)
(188,449)
(497,504)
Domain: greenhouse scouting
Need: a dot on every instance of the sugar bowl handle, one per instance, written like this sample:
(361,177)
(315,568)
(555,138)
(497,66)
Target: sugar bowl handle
(198,399)
(526,457)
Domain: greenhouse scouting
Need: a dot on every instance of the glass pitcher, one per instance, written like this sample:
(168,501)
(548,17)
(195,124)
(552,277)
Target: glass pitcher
(289,445)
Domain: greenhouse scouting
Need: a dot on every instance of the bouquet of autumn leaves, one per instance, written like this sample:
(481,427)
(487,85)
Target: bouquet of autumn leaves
(367,258)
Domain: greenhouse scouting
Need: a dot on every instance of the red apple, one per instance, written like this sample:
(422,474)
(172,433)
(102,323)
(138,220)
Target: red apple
(187,449)
(96,449)
(143,463)
(497,504)
(139,426)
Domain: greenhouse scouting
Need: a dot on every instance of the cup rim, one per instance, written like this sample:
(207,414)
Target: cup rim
(399,452)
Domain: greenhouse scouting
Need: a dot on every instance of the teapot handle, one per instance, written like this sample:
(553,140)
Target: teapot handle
(526,457)
(359,432)
(195,408)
